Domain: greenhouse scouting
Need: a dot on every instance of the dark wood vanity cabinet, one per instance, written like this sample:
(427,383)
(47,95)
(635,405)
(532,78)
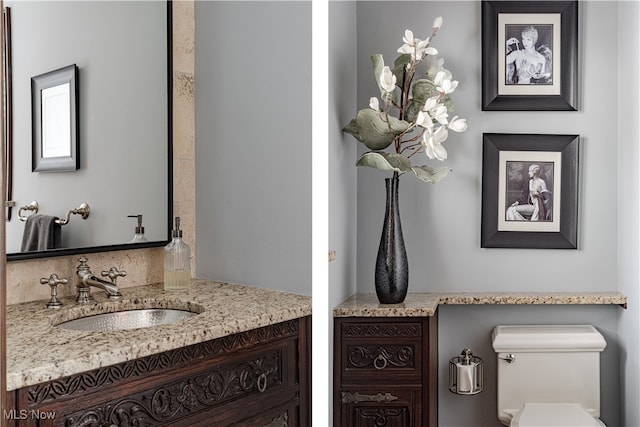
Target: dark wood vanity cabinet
(385,371)
(255,378)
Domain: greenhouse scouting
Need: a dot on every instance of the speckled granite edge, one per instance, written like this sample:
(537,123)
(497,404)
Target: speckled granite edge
(37,351)
(426,304)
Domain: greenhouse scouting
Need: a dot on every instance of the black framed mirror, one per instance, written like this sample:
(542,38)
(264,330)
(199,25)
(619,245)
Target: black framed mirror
(123,53)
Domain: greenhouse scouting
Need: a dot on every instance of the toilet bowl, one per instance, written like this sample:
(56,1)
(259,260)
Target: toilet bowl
(548,375)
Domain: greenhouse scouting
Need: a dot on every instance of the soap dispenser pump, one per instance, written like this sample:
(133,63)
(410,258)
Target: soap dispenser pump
(177,262)
(138,237)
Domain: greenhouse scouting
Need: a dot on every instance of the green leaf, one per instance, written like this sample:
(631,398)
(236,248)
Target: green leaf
(371,128)
(399,67)
(429,174)
(446,100)
(385,161)
(413,109)
(378,64)
(423,89)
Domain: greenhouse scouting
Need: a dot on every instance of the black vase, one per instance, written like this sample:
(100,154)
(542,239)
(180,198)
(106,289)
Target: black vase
(392,268)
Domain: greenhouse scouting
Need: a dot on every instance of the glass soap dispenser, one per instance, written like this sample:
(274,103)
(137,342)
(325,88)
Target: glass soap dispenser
(138,236)
(177,262)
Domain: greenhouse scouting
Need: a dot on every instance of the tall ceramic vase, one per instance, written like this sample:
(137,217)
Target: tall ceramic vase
(392,269)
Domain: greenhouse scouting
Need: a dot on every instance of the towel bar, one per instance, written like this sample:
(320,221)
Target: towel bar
(82,210)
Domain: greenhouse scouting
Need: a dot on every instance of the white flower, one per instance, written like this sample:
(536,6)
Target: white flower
(444,84)
(415,47)
(424,120)
(374,104)
(437,23)
(431,103)
(440,114)
(458,125)
(387,80)
(432,110)
(433,143)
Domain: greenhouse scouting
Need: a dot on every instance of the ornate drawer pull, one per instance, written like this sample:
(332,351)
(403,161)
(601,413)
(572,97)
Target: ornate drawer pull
(262,382)
(380,362)
(348,397)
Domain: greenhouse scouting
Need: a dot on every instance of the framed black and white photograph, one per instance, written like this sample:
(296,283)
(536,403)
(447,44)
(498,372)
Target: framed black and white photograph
(54,115)
(529,55)
(529,191)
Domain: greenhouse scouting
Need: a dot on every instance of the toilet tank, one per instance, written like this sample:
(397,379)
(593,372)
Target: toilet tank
(551,364)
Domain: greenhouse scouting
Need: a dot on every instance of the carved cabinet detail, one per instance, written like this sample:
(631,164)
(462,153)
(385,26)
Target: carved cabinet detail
(385,372)
(260,377)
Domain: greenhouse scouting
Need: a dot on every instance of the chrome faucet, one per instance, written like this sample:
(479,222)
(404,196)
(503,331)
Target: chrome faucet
(88,279)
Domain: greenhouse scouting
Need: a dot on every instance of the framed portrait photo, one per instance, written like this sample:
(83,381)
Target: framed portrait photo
(529,191)
(529,55)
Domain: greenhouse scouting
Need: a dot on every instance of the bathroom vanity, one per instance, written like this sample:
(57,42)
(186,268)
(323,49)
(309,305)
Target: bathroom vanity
(386,355)
(243,360)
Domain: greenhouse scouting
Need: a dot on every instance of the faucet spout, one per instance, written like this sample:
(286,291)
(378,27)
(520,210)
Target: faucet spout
(92,280)
(88,279)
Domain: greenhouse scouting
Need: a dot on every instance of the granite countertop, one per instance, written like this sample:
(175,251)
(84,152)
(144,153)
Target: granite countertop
(426,304)
(37,351)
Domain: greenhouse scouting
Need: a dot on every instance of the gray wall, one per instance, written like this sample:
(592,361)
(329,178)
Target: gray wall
(628,206)
(342,154)
(342,150)
(122,112)
(442,222)
(253,143)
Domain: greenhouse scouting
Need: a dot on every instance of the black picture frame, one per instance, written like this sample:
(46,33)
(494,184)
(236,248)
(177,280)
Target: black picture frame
(56,150)
(554,89)
(505,160)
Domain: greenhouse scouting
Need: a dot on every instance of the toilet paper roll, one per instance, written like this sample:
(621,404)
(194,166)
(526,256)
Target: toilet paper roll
(465,377)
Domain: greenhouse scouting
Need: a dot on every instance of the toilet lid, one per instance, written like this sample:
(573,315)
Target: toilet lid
(554,415)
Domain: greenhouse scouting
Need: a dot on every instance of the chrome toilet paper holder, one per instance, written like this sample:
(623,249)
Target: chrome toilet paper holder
(465,373)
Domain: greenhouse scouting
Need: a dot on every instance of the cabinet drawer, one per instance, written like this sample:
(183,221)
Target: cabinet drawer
(206,389)
(381,350)
(380,406)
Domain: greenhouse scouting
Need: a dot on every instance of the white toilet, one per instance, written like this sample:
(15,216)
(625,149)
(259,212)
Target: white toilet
(548,375)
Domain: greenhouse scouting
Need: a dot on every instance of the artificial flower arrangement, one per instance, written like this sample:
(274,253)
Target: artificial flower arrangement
(422,105)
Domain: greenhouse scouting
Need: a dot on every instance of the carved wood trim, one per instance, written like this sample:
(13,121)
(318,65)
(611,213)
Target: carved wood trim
(172,401)
(381,330)
(380,357)
(89,381)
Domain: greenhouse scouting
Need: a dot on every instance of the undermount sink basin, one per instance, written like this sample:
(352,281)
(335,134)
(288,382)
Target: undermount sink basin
(130,319)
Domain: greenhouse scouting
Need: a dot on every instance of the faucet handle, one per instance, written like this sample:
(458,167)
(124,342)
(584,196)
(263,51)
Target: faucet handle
(113,273)
(53,281)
